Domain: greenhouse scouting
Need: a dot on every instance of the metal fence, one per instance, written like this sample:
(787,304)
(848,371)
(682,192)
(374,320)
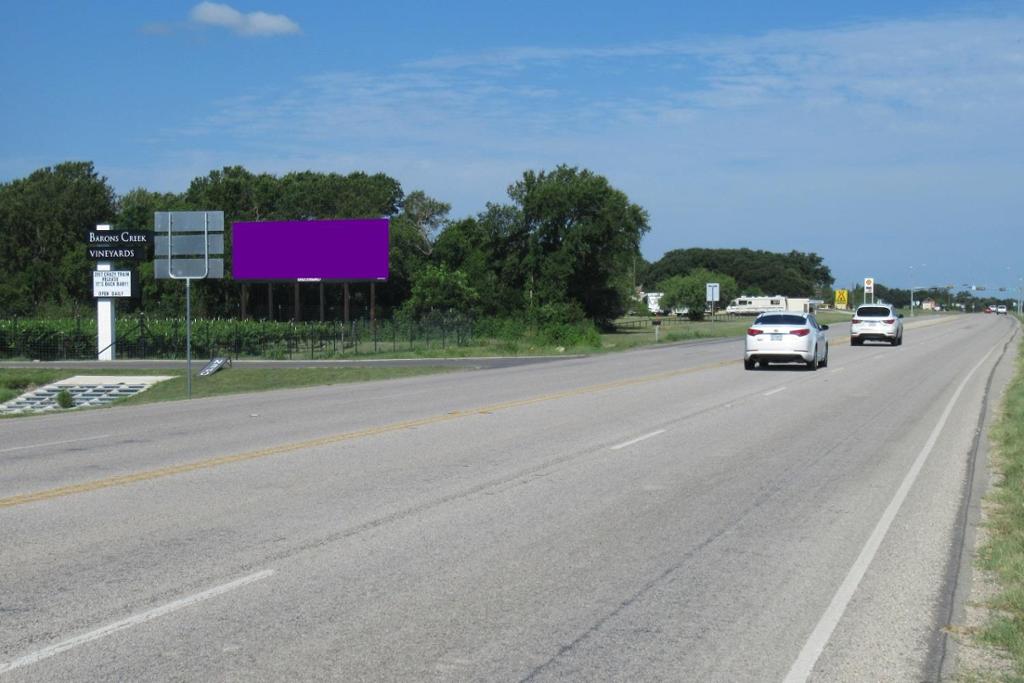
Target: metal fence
(139,338)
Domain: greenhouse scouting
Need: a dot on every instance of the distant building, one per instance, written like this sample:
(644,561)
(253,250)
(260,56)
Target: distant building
(929,305)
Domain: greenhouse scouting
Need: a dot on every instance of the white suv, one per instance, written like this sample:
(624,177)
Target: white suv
(1001,309)
(876,322)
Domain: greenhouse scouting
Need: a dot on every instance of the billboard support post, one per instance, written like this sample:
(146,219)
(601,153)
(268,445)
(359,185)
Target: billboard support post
(345,305)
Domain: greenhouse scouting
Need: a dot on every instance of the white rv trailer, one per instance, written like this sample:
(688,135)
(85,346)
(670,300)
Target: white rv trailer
(654,301)
(753,305)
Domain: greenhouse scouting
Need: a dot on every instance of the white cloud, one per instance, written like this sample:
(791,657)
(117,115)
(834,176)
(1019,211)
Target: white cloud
(251,24)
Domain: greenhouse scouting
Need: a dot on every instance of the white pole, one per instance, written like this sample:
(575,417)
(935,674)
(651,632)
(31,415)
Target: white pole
(104,316)
(188,336)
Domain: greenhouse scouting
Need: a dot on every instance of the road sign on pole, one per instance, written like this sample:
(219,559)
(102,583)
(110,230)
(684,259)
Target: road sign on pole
(869,288)
(185,242)
(711,296)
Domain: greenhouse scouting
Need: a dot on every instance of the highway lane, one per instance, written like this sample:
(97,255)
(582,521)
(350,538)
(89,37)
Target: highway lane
(660,515)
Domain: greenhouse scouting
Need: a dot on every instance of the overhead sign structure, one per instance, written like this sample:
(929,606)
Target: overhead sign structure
(112,283)
(354,250)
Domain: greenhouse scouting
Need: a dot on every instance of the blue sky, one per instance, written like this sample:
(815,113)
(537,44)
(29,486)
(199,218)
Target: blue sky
(887,137)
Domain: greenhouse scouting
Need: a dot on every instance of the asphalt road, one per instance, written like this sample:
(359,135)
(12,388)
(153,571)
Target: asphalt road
(657,515)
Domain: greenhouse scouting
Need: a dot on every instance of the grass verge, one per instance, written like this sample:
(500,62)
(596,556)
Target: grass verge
(684,330)
(229,381)
(1003,554)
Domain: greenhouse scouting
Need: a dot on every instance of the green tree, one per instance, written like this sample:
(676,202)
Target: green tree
(426,215)
(44,219)
(690,291)
(493,250)
(135,209)
(756,271)
(411,246)
(438,289)
(584,235)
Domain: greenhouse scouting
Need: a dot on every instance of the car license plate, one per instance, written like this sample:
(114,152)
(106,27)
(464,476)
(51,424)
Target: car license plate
(776,337)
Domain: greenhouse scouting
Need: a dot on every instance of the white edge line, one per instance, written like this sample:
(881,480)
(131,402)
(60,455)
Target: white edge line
(131,621)
(637,439)
(774,391)
(55,443)
(808,657)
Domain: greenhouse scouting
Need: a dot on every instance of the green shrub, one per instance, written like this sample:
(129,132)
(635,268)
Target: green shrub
(64,399)
(571,334)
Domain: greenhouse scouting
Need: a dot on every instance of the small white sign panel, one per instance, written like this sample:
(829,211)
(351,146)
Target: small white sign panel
(711,291)
(869,285)
(108,283)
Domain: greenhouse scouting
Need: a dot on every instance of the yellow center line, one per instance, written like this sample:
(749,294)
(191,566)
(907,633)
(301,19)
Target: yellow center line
(210,463)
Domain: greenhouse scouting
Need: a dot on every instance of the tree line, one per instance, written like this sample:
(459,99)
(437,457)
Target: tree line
(564,247)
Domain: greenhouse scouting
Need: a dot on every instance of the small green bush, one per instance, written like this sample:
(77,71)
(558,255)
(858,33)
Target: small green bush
(64,399)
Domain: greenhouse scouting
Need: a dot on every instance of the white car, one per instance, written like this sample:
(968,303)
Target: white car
(786,338)
(1001,309)
(876,322)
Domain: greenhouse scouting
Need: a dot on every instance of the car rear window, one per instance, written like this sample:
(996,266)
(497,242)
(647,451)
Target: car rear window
(876,311)
(779,319)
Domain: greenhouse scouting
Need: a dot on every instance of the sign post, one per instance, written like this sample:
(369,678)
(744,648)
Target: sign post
(869,288)
(104,313)
(187,240)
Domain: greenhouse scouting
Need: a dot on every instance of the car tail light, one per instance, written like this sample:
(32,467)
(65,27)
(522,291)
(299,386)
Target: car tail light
(801,333)
(753,332)
(855,321)
(889,321)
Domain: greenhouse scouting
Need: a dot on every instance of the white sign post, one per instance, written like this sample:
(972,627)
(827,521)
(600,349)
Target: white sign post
(104,315)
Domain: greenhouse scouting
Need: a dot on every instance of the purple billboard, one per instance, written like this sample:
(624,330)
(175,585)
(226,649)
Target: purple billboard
(355,249)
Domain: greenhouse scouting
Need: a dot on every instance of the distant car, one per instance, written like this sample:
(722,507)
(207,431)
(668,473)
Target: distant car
(786,338)
(1001,309)
(876,322)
